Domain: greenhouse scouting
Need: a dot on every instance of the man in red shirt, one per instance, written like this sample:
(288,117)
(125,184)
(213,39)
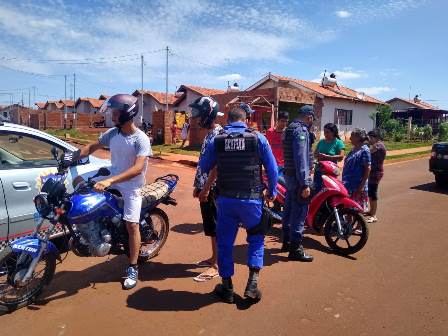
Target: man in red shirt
(274,136)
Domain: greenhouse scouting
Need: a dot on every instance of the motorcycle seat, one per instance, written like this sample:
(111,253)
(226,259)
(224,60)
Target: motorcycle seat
(153,192)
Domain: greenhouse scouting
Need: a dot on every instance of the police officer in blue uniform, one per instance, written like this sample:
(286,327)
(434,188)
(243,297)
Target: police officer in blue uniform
(298,165)
(239,154)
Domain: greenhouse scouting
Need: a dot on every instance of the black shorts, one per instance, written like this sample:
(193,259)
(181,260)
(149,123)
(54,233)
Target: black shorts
(373,191)
(209,215)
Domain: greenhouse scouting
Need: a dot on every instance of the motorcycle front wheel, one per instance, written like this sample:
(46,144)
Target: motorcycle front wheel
(15,295)
(158,227)
(355,232)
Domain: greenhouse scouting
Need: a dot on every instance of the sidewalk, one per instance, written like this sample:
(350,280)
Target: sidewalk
(193,160)
(408,151)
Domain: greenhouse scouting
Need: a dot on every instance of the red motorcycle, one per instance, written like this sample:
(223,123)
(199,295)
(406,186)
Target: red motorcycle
(332,209)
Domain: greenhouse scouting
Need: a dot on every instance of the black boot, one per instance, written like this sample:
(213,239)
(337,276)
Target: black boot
(225,290)
(252,292)
(297,253)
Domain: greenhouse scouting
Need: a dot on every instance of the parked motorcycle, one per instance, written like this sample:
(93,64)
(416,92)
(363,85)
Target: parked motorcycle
(93,224)
(331,209)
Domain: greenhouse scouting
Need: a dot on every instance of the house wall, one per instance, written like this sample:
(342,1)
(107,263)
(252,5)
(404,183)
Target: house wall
(150,105)
(183,105)
(360,115)
(83,107)
(400,105)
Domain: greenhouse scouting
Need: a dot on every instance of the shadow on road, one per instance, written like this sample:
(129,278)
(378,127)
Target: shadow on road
(188,228)
(69,283)
(151,299)
(431,187)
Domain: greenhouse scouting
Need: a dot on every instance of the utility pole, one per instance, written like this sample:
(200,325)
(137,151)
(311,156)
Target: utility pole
(74,98)
(65,101)
(29,98)
(141,98)
(34,94)
(166,84)
(22,98)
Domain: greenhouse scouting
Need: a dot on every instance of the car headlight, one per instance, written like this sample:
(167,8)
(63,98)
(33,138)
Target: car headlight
(42,205)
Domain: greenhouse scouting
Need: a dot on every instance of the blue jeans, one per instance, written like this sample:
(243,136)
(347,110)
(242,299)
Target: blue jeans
(295,212)
(231,212)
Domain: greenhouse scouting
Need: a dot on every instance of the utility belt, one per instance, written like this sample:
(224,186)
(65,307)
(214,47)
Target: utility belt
(252,194)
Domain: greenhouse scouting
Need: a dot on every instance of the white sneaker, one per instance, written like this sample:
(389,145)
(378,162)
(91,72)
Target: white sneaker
(130,280)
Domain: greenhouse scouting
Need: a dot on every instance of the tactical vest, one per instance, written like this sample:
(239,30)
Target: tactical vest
(238,164)
(288,155)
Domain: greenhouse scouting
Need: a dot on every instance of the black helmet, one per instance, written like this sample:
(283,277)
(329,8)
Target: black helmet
(206,109)
(126,104)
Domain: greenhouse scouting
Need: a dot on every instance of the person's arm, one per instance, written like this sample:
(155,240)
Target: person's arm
(134,171)
(203,195)
(301,160)
(269,164)
(207,161)
(366,162)
(89,149)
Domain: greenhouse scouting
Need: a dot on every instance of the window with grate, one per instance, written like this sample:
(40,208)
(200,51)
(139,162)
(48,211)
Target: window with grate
(343,117)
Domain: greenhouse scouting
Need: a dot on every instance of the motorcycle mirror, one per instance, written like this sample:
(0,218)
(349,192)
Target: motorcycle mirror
(103,171)
(54,152)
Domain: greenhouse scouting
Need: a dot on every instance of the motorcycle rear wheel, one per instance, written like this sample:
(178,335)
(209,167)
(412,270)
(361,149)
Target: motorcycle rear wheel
(12,296)
(159,222)
(353,225)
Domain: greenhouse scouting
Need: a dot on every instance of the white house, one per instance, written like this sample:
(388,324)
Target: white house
(186,94)
(152,101)
(334,103)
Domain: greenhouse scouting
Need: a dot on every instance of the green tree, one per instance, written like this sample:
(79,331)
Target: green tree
(443,132)
(382,115)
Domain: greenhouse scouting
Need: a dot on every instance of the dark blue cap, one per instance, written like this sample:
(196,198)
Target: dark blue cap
(246,108)
(307,110)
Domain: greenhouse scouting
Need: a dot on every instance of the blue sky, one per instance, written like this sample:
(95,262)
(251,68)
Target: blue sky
(385,48)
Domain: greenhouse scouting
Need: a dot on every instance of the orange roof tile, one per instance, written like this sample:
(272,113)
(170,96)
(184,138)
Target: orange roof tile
(96,103)
(160,97)
(339,91)
(419,104)
(203,91)
(68,102)
(40,105)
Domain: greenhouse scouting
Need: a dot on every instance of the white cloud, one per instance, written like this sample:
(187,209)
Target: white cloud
(375,90)
(343,14)
(343,75)
(230,77)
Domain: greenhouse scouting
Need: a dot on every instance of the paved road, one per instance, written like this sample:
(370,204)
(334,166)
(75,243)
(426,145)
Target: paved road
(397,285)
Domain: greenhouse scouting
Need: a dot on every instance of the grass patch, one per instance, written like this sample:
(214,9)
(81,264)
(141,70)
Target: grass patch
(391,145)
(175,149)
(73,133)
(408,156)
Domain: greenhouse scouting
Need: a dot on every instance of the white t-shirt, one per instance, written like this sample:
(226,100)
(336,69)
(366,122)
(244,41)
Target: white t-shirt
(124,150)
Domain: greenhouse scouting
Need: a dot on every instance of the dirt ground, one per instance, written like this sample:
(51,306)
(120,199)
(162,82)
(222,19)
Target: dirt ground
(397,285)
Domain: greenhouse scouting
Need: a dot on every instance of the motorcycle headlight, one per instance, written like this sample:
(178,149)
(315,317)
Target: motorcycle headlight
(42,205)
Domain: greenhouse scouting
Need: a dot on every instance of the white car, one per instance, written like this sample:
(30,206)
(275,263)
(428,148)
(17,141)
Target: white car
(26,158)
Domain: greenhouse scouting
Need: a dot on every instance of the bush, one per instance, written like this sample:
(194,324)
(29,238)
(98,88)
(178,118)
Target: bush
(394,130)
(443,132)
(427,132)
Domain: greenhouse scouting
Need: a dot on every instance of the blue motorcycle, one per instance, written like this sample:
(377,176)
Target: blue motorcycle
(93,227)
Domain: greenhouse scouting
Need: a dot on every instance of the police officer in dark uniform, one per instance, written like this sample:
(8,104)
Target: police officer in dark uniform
(239,154)
(298,165)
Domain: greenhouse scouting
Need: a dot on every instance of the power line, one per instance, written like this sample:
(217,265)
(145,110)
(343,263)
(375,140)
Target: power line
(98,60)
(31,73)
